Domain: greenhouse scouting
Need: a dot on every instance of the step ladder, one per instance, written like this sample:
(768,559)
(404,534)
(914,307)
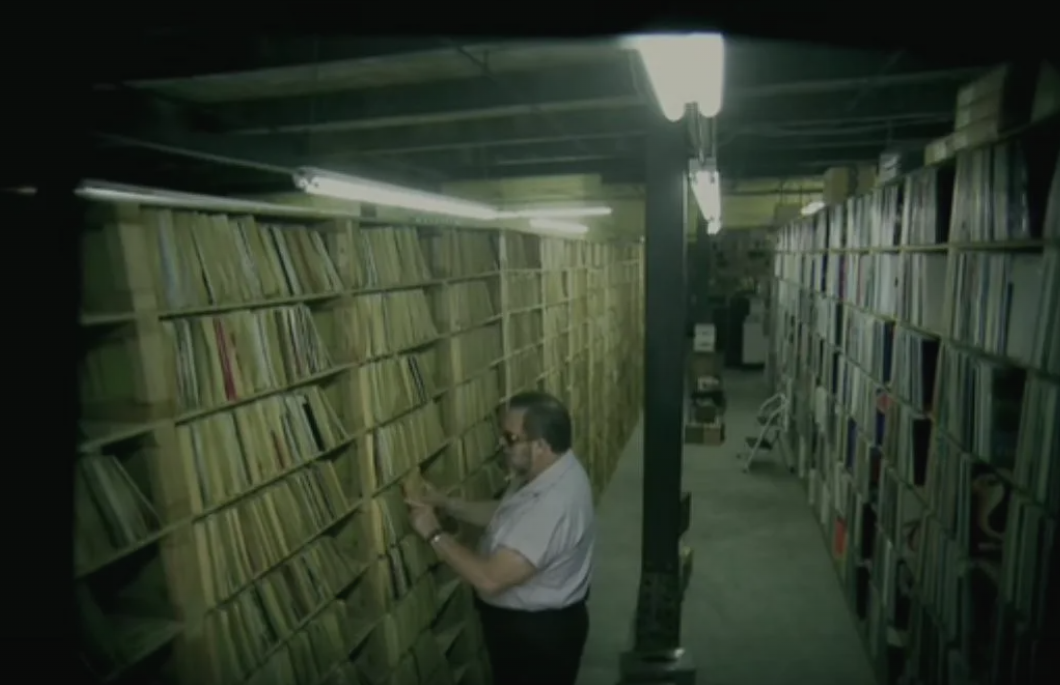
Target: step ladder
(768,418)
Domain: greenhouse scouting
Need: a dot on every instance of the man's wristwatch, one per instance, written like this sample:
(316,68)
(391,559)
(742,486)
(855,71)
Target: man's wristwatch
(434,537)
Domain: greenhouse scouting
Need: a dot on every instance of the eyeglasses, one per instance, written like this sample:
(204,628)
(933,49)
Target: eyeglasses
(511,440)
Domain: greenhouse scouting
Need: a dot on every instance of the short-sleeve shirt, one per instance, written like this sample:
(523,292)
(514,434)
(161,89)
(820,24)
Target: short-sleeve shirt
(550,522)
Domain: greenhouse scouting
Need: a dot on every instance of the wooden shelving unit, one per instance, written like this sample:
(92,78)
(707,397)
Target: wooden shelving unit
(916,331)
(256,387)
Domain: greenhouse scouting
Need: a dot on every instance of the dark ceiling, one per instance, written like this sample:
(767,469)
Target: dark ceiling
(425,111)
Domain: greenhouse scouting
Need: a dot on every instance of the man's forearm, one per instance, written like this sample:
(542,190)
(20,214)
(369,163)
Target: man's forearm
(476,513)
(468,565)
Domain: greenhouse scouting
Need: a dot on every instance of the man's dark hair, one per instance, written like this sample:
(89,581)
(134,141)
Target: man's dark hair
(544,418)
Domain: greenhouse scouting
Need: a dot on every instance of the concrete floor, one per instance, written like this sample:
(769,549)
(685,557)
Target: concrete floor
(764,606)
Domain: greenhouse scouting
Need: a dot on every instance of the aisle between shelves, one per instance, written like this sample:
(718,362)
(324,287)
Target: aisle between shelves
(925,424)
(256,392)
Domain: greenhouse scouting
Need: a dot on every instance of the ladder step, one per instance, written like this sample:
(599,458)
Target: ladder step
(764,446)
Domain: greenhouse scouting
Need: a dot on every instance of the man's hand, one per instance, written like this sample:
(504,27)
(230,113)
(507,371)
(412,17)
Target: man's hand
(423,519)
(427,495)
(432,496)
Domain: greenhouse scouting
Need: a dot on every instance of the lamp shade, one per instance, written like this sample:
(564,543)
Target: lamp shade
(684,69)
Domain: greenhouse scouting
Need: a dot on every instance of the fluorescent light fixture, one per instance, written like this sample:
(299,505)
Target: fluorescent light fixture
(329,184)
(561,226)
(342,187)
(706,187)
(812,208)
(554,213)
(684,69)
(118,192)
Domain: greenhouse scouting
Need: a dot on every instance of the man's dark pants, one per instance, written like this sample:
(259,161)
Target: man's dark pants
(534,647)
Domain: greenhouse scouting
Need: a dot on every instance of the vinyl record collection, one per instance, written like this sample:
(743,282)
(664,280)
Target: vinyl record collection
(917,339)
(257,392)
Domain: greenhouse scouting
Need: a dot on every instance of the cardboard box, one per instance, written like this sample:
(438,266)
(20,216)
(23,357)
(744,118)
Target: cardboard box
(1004,97)
(938,150)
(704,364)
(704,337)
(838,185)
(707,384)
(705,433)
(704,330)
(976,134)
(705,412)
(841,183)
(992,82)
(707,387)
(989,107)
(1046,93)
(865,179)
(703,345)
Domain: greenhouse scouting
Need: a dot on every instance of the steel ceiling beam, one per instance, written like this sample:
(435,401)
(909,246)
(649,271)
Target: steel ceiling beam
(594,86)
(749,163)
(736,156)
(435,101)
(236,152)
(172,129)
(789,168)
(545,116)
(746,156)
(613,171)
(905,117)
(561,152)
(529,144)
(854,136)
(519,130)
(601,148)
(953,77)
(742,163)
(163,58)
(829,122)
(609,168)
(883,103)
(756,62)
(191,176)
(528,130)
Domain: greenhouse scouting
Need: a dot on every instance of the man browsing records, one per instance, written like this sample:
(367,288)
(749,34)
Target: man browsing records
(533,565)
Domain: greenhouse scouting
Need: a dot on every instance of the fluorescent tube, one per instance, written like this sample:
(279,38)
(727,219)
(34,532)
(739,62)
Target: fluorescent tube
(684,69)
(706,187)
(554,213)
(318,182)
(119,192)
(562,226)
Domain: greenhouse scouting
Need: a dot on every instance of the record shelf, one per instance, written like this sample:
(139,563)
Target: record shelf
(917,342)
(259,381)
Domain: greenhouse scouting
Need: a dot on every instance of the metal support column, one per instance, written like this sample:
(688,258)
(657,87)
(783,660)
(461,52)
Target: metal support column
(657,656)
